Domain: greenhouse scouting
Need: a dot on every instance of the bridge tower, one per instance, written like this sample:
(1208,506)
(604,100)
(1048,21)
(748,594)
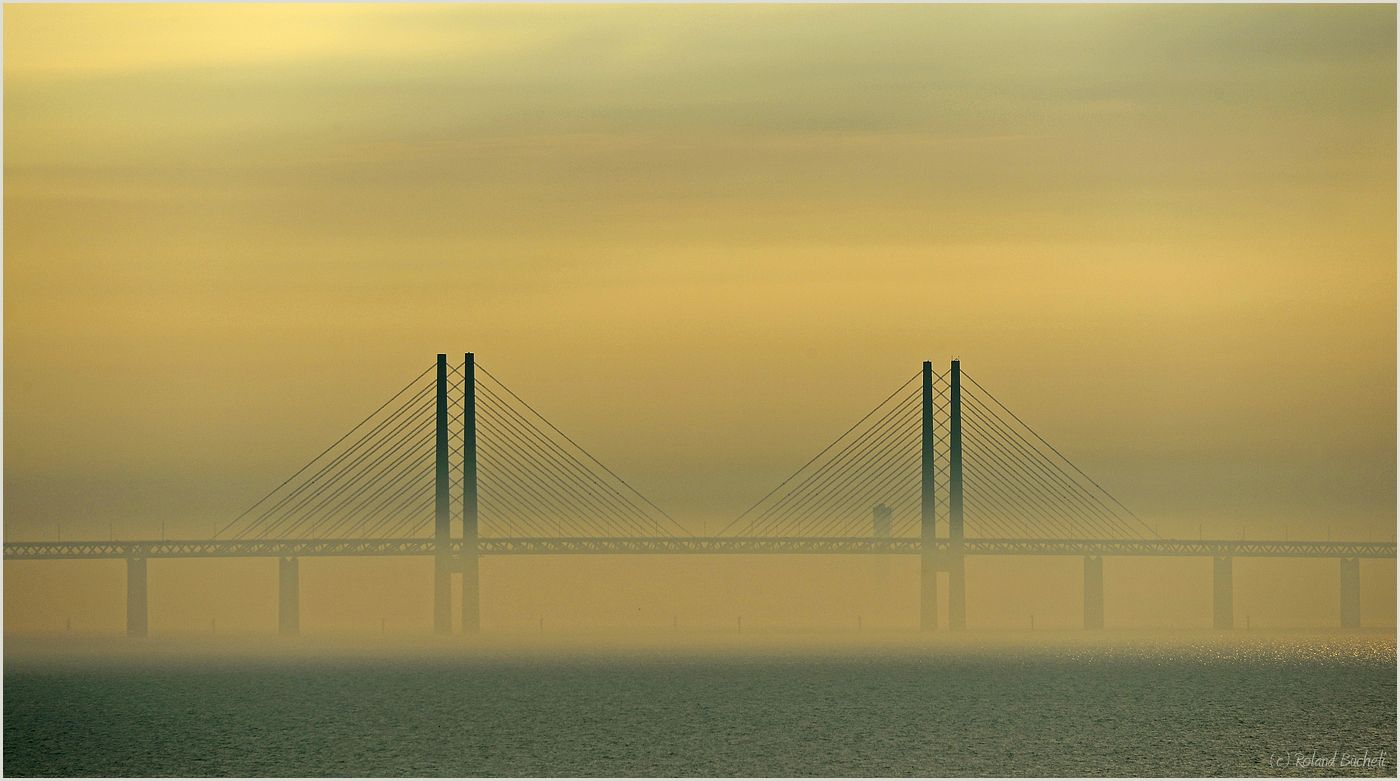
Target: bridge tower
(442,529)
(471,583)
(928,526)
(957,596)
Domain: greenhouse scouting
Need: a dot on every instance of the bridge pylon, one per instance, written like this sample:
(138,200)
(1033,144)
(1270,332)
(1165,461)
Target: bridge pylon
(442,516)
(471,584)
(931,563)
(928,518)
(957,592)
(444,561)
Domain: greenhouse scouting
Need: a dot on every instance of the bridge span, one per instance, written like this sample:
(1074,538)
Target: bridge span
(463,467)
(517,546)
(454,559)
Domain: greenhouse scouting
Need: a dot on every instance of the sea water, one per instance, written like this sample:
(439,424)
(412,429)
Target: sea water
(1233,705)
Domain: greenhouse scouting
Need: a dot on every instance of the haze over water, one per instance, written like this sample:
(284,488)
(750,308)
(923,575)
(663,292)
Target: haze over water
(702,240)
(1027,704)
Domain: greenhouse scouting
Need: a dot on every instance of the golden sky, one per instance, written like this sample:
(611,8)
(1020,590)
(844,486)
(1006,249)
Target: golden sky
(703,240)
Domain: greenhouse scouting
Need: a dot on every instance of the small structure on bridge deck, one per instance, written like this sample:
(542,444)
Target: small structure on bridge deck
(882,519)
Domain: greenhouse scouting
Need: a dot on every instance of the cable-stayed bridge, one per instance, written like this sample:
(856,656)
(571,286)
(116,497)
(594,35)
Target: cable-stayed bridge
(457,466)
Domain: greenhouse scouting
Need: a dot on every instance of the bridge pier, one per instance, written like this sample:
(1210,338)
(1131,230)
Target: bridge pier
(928,590)
(1224,593)
(957,589)
(1093,592)
(288,596)
(135,597)
(442,594)
(1351,593)
(471,592)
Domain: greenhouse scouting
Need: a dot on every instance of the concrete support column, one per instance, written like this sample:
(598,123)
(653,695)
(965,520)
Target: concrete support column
(1093,592)
(288,597)
(442,568)
(957,592)
(928,519)
(957,589)
(442,594)
(1351,593)
(135,597)
(928,589)
(471,590)
(1224,593)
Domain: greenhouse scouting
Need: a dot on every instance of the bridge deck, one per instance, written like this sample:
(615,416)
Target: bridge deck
(493,546)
